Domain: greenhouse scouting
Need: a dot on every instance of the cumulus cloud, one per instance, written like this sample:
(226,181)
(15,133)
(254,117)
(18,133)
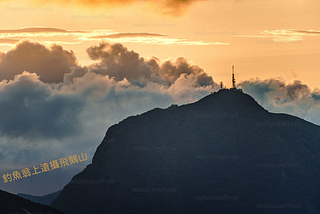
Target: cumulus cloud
(29,108)
(121,82)
(118,62)
(292,97)
(49,63)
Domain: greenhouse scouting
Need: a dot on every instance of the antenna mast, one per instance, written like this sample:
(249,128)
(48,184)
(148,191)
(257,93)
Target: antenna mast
(233,80)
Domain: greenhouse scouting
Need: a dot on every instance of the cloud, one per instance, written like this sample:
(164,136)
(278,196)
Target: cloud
(8,41)
(174,7)
(79,36)
(38,30)
(291,32)
(155,41)
(121,84)
(126,35)
(285,35)
(119,63)
(42,121)
(316,94)
(143,38)
(165,7)
(73,115)
(29,108)
(49,63)
(30,32)
(293,97)
(308,32)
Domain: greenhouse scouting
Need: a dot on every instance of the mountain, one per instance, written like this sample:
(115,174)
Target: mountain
(45,199)
(221,154)
(12,204)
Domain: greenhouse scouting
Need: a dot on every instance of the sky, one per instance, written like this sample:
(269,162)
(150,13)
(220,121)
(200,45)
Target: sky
(71,69)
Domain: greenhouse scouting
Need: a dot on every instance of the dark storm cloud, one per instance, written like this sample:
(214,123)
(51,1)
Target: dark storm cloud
(126,35)
(117,62)
(30,109)
(49,63)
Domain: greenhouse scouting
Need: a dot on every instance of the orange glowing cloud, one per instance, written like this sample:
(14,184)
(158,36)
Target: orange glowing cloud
(166,7)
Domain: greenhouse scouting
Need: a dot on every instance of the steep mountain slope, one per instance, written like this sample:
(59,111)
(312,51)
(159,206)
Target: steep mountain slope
(222,154)
(10,204)
(46,199)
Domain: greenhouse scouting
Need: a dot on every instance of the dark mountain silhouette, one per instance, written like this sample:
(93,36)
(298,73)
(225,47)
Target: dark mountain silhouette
(13,204)
(45,199)
(222,154)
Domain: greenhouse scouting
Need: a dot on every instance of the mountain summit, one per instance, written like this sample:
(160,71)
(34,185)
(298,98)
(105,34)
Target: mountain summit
(222,154)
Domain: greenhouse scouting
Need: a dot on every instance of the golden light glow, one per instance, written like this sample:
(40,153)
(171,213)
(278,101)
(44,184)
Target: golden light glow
(262,38)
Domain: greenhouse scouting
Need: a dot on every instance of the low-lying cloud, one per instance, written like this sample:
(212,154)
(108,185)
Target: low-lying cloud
(294,97)
(30,108)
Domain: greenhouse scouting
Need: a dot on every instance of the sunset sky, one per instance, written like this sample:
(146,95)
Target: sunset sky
(64,79)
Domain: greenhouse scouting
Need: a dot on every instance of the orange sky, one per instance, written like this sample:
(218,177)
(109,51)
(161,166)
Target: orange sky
(260,38)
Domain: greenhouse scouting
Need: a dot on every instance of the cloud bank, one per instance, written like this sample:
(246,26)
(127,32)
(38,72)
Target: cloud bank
(53,110)
(30,108)
(292,97)
(117,62)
